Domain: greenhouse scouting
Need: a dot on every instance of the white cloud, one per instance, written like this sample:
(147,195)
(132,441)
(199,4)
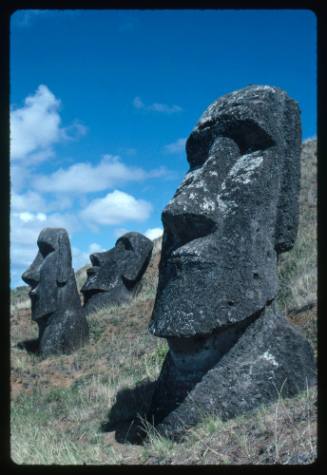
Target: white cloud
(60,202)
(137,103)
(19,176)
(26,226)
(30,201)
(74,131)
(35,126)
(156,106)
(115,208)
(68,221)
(153,233)
(86,178)
(27,217)
(176,147)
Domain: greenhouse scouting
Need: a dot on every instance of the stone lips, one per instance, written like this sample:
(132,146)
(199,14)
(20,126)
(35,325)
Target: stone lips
(115,274)
(54,296)
(235,211)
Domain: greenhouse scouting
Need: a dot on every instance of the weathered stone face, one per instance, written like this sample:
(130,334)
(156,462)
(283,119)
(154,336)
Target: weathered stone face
(230,349)
(114,275)
(54,297)
(51,267)
(234,212)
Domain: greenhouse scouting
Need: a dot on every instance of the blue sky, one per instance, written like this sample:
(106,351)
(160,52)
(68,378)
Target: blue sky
(102,102)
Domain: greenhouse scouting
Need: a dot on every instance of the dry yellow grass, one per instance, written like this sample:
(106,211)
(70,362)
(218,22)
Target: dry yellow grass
(76,409)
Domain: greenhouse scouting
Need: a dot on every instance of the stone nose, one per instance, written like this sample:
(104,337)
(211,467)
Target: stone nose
(97,259)
(31,277)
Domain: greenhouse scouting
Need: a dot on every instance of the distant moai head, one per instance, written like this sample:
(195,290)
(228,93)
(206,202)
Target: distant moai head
(235,211)
(114,274)
(56,305)
(49,272)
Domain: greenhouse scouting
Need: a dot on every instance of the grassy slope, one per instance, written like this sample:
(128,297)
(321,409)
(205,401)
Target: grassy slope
(298,267)
(76,408)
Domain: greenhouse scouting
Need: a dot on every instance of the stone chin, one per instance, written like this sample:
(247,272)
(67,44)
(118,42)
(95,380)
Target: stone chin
(91,291)
(98,297)
(44,301)
(98,283)
(39,313)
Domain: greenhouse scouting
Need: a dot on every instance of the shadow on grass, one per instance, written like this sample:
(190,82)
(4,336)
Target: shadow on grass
(127,415)
(31,346)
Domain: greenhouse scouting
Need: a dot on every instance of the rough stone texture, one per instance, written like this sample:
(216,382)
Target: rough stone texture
(234,213)
(113,279)
(54,297)
(270,358)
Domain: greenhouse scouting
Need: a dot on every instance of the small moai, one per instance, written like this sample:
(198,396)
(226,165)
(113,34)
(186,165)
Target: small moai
(115,275)
(230,348)
(56,305)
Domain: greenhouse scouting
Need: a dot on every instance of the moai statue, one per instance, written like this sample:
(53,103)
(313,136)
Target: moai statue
(56,305)
(114,276)
(236,210)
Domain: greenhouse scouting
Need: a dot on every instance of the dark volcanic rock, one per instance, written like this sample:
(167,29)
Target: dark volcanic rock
(271,358)
(55,301)
(234,213)
(115,274)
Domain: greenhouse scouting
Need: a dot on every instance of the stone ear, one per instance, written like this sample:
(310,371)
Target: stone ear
(288,206)
(138,262)
(64,262)
(140,249)
(135,268)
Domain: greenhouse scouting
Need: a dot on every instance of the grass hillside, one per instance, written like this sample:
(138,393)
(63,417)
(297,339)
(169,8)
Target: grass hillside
(298,267)
(79,408)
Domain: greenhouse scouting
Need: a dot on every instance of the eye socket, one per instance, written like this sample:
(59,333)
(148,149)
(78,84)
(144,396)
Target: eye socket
(94,258)
(248,135)
(126,243)
(45,248)
(198,145)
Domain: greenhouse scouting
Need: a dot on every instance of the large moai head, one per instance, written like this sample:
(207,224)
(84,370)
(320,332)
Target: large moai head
(235,211)
(54,297)
(49,272)
(114,274)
